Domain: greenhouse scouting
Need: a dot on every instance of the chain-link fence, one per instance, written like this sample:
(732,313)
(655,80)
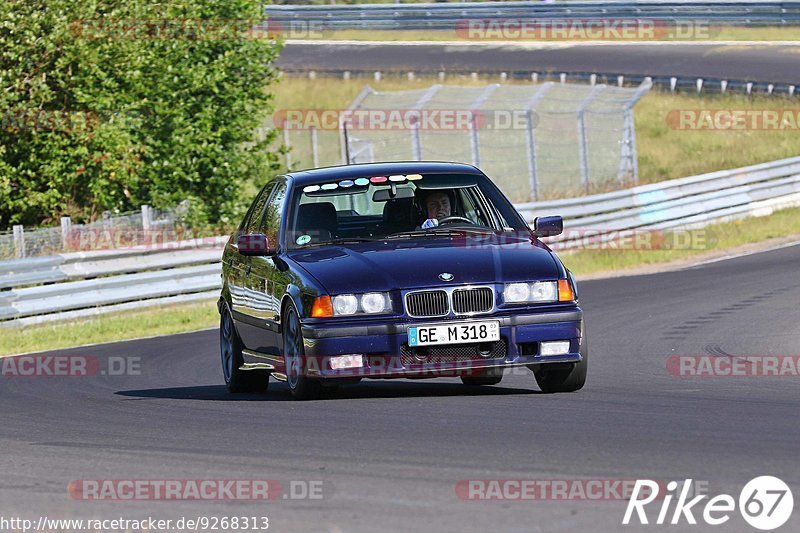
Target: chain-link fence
(537,141)
(146,227)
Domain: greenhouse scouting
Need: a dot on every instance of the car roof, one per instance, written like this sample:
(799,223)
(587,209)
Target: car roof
(317,175)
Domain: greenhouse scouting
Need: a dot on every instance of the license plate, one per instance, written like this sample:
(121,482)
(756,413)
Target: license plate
(457,333)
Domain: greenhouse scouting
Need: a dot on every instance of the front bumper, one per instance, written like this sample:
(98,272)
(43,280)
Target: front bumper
(385,351)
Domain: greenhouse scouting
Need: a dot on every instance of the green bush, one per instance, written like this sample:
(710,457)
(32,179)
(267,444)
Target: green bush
(106,105)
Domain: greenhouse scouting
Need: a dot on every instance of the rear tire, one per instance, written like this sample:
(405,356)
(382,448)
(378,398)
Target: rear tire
(563,377)
(301,387)
(236,380)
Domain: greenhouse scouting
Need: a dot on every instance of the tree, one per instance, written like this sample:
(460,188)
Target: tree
(109,104)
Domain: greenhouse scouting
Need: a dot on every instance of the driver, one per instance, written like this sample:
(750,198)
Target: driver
(437,207)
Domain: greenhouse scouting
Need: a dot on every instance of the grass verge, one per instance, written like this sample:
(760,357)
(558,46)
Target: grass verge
(164,320)
(712,241)
(667,152)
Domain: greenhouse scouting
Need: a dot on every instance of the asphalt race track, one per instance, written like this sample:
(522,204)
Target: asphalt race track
(390,453)
(776,63)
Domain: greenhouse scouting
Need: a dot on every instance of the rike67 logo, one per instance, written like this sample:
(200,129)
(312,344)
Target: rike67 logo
(765,502)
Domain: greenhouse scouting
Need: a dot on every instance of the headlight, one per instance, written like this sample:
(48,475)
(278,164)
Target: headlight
(345,304)
(536,292)
(544,291)
(374,302)
(370,303)
(516,292)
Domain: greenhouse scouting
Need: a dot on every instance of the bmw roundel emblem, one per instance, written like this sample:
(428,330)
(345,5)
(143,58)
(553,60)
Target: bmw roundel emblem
(446,276)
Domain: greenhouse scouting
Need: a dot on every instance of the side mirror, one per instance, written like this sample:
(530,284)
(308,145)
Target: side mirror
(548,226)
(253,244)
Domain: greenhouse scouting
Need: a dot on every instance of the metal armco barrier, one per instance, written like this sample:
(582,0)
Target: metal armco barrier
(683,203)
(78,284)
(682,84)
(445,16)
(87,283)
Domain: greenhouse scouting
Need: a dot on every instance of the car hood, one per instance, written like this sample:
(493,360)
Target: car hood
(408,264)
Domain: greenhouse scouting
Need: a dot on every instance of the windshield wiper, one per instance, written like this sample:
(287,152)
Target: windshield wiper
(438,232)
(341,240)
(450,231)
(410,234)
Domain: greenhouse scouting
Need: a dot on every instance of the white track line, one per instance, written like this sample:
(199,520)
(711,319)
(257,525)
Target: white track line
(743,254)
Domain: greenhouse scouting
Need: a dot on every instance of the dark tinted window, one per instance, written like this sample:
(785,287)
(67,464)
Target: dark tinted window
(253,218)
(377,207)
(271,221)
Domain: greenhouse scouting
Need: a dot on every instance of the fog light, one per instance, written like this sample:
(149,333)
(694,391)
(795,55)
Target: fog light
(342,362)
(554,348)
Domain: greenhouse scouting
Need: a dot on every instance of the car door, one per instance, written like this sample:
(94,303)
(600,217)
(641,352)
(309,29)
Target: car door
(265,282)
(239,269)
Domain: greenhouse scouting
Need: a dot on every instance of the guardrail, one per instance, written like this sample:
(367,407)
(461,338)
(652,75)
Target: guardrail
(69,286)
(73,285)
(682,84)
(686,203)
(445,16)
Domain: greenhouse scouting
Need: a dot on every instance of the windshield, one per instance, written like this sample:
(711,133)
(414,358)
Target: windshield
(378,207)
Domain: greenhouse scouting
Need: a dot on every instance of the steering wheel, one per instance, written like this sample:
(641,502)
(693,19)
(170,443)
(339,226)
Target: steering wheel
(447,220)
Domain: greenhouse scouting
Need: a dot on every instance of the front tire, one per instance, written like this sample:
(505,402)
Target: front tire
(230,344)
(301,387)
(563,377)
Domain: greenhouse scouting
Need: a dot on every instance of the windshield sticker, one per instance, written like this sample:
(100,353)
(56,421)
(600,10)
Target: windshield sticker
(303,239)
(362,182)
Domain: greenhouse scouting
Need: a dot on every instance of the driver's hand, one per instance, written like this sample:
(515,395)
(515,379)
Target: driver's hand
(430,223)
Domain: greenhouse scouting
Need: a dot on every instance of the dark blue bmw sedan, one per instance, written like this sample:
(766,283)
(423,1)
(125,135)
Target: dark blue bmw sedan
(395,270)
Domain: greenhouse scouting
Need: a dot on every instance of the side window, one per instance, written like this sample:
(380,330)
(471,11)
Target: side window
(472,209)
(251,221)
(271,221)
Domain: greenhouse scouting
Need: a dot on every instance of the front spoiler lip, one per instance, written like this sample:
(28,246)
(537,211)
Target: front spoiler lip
(328,331)
(442,369)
